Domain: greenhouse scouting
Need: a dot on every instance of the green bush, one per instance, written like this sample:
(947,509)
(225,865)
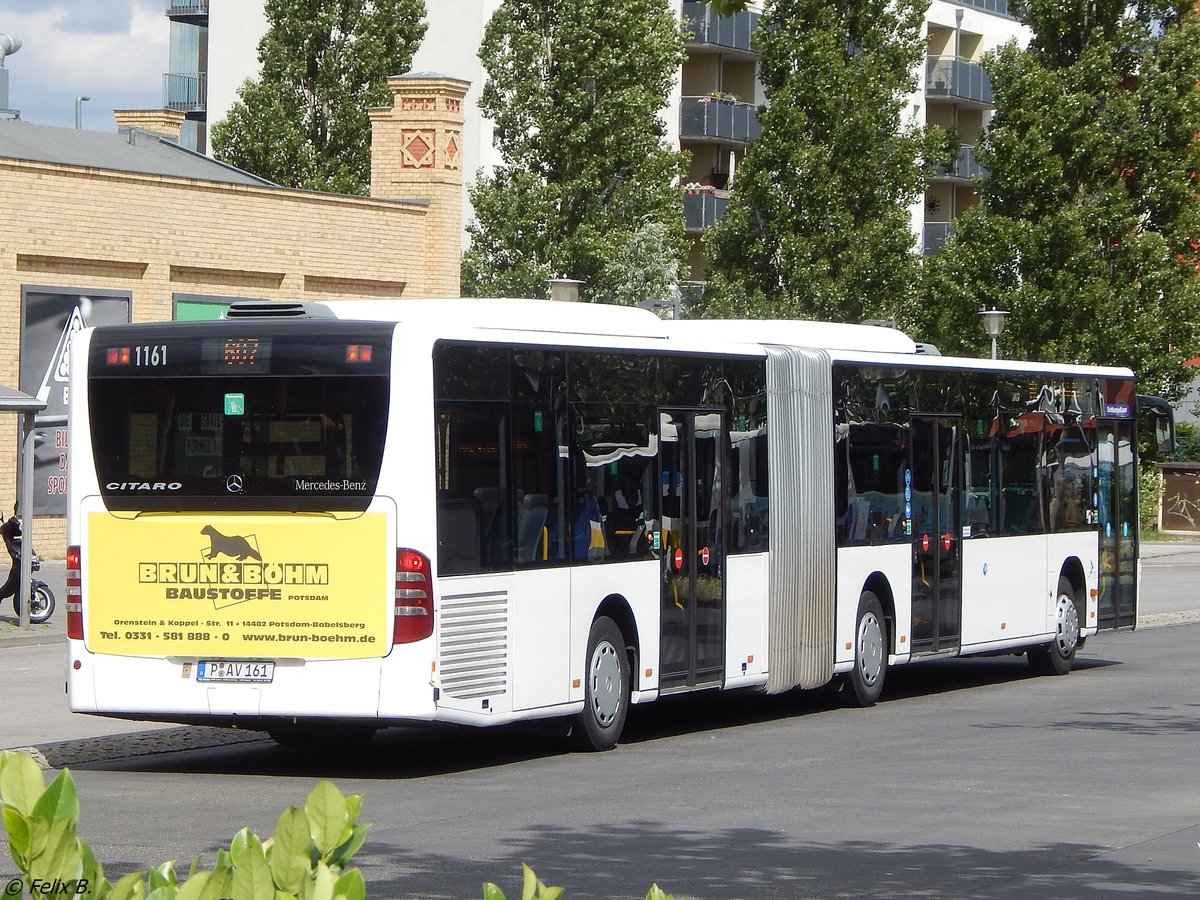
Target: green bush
(1150,488)
(532,889)
(304,860)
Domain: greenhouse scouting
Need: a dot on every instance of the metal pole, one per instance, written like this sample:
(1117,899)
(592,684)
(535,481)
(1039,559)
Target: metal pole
(993,346)
(26,504)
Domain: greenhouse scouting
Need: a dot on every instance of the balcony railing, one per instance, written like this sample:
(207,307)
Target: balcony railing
(966,166)
(185,93)
(731,32)
(187,9)
(947,76)
(720,120)
(702,209)
(935,236)
(1000,7)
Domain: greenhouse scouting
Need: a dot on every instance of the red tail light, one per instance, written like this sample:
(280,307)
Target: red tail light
(74,595)
(414,597)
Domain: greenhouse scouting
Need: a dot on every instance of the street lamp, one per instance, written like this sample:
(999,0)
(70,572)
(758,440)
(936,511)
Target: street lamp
(993,324)
(564,289)
(79,111)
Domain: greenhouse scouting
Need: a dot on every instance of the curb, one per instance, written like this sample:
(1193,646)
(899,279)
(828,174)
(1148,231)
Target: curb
(137,743)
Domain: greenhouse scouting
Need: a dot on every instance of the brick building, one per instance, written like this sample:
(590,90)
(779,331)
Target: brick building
(130,226)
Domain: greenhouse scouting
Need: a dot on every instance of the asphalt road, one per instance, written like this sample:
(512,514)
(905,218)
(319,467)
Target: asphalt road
(971,779)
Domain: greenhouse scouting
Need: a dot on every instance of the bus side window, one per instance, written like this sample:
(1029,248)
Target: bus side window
(877,456)
(1067,473)
(539,466)
(472,417)
(1020,505)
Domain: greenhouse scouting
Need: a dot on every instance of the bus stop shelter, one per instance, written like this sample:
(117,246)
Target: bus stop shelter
(12,400)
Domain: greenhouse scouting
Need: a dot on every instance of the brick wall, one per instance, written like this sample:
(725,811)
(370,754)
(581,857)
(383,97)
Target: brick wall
(79,228)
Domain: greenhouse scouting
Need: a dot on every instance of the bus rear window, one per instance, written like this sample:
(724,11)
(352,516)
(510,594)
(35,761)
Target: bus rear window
(283,441)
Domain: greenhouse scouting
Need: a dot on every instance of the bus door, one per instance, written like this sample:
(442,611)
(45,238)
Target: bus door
(692,486)
(1117,486)
(933,486)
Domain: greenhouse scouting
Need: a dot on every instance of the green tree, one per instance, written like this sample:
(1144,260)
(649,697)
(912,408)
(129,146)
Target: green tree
(727,7)
(1088,230)
(818,224)
(575,89)
(304,122)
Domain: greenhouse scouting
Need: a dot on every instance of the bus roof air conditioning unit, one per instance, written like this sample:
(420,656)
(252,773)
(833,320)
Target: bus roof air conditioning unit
(278,309)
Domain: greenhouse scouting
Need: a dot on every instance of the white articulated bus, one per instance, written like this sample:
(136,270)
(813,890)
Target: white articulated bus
(307,517)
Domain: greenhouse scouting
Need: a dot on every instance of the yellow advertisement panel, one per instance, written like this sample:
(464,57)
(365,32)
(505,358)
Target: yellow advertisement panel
(230,586)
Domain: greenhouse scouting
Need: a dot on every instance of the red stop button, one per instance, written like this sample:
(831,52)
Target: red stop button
(704,557)
(678,558)
(946,541)
(925,543)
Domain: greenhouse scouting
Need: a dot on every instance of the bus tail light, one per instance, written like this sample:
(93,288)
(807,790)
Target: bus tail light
(74,595)
(414,597)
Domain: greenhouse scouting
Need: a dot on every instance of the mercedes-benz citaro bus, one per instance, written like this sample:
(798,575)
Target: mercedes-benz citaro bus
(325,519)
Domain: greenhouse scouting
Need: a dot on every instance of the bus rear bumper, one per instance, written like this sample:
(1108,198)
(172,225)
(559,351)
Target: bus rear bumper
(169,690)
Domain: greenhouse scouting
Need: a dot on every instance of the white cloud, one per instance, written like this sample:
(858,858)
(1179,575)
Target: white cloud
(117,59)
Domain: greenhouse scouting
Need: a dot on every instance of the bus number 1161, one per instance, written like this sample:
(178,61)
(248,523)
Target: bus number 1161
(148,355)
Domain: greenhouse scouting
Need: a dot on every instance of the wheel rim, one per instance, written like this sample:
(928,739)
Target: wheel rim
(1066,625)
(605,683)
(870,648)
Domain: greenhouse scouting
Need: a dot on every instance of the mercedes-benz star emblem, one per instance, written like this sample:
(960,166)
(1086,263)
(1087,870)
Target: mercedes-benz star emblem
(233,484)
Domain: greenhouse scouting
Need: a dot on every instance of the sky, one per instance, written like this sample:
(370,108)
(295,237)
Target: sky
(113,51)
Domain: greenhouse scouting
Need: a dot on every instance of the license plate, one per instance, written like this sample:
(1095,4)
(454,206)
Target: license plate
(229,670)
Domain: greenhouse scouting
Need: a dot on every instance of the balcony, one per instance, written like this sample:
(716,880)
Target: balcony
(966,166)
(185,93)
(958,79)
(702,208)
(999,7)
(718,121)
(935,236)
(194,12)
(725,34)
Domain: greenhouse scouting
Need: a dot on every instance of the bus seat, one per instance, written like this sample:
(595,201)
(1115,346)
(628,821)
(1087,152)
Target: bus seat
(530,521)
(458,537)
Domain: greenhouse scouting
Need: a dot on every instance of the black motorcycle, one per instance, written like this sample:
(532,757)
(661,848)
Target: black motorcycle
(41,605)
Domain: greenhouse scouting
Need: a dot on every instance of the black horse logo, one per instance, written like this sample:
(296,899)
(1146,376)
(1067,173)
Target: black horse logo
(235,546)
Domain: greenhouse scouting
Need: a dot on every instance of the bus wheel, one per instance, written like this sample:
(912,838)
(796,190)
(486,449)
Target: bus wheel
(1057,657)
(606,691)
(870,652)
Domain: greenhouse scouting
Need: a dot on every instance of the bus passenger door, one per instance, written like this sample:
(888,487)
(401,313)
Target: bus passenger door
(1117,485)
(934,484)
(692,485)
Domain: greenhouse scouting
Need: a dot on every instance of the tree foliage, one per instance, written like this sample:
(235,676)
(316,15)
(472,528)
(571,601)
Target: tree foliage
(1089,227)
(304,122)
(818,224)
(575,89)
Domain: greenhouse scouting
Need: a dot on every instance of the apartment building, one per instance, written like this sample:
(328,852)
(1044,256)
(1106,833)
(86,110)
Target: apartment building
(954,91)
(185,83)
(713,110)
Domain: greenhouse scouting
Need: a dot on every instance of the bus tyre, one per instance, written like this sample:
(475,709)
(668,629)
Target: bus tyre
(1057,657)
(606,688)
(870,652)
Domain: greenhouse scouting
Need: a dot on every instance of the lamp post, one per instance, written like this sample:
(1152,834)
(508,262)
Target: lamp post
(993,324)
(564,289)
(79,110)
